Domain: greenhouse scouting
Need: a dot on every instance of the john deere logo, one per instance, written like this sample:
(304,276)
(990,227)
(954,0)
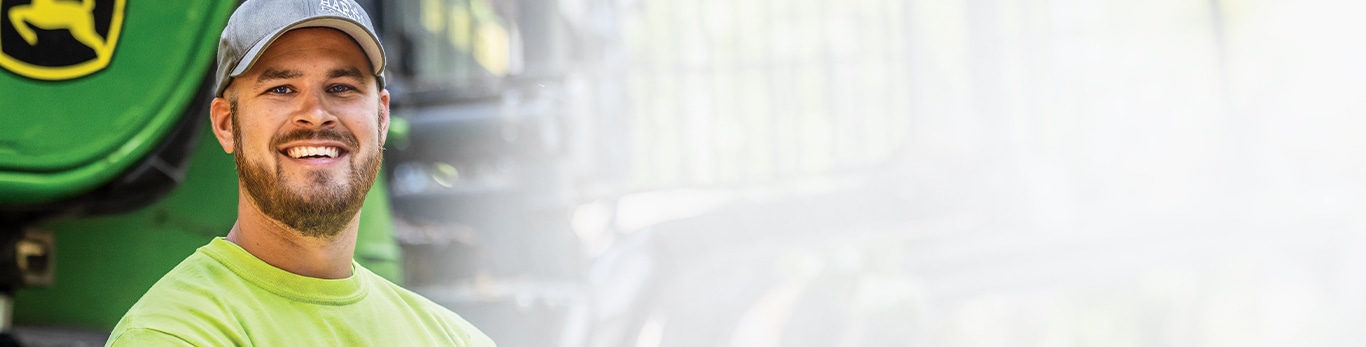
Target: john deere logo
(58,39)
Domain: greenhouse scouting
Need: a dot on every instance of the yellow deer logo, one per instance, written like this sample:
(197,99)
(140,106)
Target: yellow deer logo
(46,54)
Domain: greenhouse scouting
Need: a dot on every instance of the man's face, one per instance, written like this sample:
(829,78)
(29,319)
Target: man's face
(308,124)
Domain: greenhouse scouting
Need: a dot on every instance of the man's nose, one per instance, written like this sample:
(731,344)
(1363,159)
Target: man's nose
(313,112)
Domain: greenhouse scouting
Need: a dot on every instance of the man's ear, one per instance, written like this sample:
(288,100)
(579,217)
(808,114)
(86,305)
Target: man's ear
(220,118)
(383,116)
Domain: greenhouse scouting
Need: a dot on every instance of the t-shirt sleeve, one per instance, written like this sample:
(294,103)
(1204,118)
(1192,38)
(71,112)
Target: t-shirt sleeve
(479,339)
(145,337)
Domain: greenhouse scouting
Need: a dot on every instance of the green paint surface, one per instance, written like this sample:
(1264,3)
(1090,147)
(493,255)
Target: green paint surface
(63,138)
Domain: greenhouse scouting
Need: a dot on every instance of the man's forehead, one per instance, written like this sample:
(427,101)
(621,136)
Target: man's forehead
(271,73)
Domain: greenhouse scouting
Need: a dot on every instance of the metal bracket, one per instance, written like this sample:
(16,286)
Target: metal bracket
(36,257)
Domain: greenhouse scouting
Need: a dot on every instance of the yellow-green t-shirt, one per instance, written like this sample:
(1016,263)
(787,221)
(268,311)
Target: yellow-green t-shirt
(223,296)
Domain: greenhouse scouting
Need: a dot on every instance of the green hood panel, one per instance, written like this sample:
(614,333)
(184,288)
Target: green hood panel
(60,138)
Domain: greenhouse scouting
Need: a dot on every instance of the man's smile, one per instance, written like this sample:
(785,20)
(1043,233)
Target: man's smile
(314,154)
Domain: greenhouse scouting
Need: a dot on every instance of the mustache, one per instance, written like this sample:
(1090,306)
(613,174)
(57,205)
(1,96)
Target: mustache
(331,134)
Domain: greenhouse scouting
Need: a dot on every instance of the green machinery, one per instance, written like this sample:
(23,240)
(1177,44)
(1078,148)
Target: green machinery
(109,174)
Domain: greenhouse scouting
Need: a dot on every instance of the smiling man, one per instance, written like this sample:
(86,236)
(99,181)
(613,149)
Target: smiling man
(302,108)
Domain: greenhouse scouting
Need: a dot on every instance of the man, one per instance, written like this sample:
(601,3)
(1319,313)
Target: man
(302,108)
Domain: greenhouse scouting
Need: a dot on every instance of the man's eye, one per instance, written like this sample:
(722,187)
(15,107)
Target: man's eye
(339,88)
(279,90)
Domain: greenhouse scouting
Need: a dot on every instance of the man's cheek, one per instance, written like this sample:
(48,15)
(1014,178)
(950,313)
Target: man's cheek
(259,141)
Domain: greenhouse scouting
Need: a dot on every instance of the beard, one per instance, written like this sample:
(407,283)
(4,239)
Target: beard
(321,205)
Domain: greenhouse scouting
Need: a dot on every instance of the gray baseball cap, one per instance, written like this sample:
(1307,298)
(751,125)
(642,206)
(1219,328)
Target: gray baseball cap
(257,23)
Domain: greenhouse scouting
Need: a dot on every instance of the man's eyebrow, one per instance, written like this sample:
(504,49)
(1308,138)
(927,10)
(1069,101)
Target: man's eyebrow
(352,72)
(275,74)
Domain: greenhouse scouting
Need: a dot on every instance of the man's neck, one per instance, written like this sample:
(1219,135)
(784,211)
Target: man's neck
(288,249)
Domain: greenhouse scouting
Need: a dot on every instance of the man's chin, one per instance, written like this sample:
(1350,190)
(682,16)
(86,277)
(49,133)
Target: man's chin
(314,194)
(319,219)
(320,209)
(314,177)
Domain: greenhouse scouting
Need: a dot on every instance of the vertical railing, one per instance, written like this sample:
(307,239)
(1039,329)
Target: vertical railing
(737,93)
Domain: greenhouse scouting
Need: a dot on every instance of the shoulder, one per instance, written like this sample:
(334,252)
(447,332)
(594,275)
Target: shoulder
(428,312)
(190,284)
(187,304)
(382,289)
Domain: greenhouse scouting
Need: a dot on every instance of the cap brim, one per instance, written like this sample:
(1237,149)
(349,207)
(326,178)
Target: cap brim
(368,43)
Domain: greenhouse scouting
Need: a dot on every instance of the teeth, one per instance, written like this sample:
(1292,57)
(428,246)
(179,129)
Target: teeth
(307,151)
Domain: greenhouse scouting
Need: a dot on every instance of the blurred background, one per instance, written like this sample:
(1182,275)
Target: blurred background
(882,172)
